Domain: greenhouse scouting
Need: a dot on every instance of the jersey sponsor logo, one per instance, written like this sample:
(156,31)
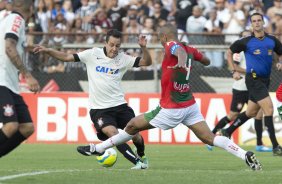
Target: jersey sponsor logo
(181,87)
(8,110)
(173,48)
(257,52)
(103,69)
(99,58)
(17,24)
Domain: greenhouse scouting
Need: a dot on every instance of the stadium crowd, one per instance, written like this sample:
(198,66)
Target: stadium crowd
(86,22)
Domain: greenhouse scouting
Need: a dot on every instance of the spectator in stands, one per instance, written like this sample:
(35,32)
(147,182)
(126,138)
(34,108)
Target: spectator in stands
(274,9)
(69,14)
(58,39)
(132,31)
(159,12)
(85,13)
(79,37)
(207,6)
(132,11)
(214,26)
(149,30)
(49,4)
(102,23)
(42,14)
(54,66)
(184,10)
(170,6)
(142,7)
(75,5)
(116,13)
(58,8)
(196,24)
(234,22)
(221,10)
(94,5)
(278,25)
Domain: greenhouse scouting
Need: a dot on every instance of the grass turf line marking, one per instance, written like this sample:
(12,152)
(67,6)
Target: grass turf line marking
(4,178)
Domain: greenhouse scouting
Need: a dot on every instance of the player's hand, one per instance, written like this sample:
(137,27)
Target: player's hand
(32,83)
(279,66)
(142,41)
(177,66)
(39,48)
(237,75)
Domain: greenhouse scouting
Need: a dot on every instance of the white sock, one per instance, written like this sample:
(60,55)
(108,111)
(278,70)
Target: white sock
(115,140)
(230,146)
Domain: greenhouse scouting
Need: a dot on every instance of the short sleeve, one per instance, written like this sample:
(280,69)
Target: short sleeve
(85,55)
(14,26)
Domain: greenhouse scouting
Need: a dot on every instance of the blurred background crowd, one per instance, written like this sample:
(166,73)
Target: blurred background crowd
(199,22)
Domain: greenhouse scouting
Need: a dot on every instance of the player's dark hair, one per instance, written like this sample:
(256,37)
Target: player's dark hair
(256,14)
(114,33)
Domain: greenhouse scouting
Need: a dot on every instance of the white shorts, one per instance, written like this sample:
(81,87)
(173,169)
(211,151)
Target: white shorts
(169,118)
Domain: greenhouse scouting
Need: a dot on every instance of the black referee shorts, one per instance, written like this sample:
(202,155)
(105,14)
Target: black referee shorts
(239,98)
(257,87)
(12,107)
(117,116)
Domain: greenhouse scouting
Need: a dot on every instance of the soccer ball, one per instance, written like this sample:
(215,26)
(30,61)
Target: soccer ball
(108,159)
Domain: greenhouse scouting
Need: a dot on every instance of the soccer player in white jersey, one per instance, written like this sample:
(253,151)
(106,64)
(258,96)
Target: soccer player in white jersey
(108,107)
(177,104)
(14,113)
(240,96)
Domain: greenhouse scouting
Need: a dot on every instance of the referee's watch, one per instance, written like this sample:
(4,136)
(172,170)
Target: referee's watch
(232,71)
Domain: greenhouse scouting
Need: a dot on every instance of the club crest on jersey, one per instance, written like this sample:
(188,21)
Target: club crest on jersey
(103,69)
(100,122)
(8,110)
(270,52)
(240,106)
(257,52)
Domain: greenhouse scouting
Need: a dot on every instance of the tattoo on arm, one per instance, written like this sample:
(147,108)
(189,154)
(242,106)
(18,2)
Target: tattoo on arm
(14,56)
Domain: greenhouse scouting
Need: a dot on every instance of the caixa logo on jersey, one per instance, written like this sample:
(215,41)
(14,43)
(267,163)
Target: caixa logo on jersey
(103,69)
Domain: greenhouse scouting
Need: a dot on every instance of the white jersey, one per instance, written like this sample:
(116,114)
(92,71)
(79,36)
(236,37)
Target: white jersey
(104,77)
(240,84)
(12,26)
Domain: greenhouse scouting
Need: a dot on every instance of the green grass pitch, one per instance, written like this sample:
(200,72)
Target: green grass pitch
(169,164)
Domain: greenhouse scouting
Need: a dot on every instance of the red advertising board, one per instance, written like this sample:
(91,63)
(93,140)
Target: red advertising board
(63,117)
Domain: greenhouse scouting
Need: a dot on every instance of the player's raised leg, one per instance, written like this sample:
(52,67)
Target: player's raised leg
(203,132)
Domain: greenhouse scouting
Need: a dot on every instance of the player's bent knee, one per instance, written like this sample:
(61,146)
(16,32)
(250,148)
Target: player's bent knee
(131,128)
(26,129)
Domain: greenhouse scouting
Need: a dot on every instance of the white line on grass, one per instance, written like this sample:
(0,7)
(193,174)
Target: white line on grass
(4,178)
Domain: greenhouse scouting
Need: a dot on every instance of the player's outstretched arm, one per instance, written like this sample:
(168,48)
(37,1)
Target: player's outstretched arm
(205,61)
(146,59)
(62,56)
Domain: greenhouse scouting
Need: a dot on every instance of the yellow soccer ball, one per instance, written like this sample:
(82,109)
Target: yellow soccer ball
(108,159)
